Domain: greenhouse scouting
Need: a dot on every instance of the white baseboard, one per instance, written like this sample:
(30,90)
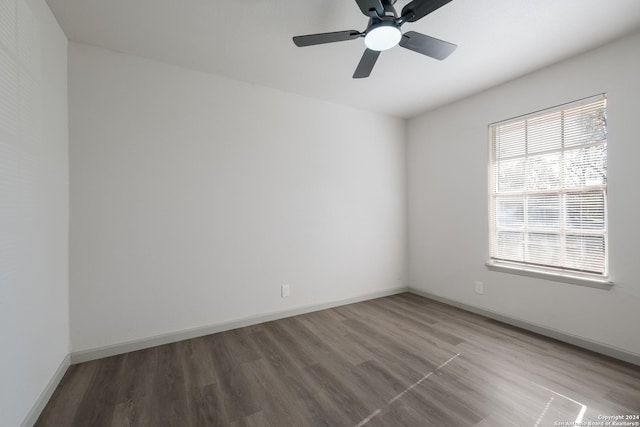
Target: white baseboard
(139,344)
(46,394)
(585,343)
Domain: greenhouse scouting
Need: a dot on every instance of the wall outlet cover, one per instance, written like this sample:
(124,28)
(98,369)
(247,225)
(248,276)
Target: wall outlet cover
(285,291)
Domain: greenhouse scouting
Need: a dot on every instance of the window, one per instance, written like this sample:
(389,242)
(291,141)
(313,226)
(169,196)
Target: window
(548,191)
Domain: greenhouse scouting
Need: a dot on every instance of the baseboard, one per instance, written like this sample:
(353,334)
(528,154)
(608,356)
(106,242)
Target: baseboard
(125,347)
(595,346)
(46,394)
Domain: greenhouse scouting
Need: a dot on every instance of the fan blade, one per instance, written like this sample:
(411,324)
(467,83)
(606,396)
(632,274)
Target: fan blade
(368,60)
(429,46)
(367,5)
(420,8)
(338,36)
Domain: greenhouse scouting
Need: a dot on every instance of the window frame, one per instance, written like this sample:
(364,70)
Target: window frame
(558,274)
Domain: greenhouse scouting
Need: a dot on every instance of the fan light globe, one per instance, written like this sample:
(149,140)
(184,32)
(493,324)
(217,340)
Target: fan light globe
(382,37)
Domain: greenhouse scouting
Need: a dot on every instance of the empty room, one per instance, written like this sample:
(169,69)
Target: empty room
(331,213)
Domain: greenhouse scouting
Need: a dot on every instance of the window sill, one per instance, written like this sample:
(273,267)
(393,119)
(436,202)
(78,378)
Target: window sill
(551,275)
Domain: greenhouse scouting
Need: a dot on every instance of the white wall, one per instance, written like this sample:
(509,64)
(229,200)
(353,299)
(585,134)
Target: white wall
(195,197)
(34,317)
(447,180)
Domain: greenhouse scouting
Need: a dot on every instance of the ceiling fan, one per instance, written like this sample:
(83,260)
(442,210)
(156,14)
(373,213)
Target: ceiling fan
(383,32)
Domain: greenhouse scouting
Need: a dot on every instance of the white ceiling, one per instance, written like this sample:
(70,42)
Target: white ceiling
(250,40)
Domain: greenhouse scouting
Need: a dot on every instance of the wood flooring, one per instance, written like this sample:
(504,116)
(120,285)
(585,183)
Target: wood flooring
(402,360)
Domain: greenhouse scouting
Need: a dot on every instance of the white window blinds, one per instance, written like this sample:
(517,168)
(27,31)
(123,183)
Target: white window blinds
(548,189)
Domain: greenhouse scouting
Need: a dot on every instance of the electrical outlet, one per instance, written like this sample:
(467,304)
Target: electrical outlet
(285,291)
(479,288)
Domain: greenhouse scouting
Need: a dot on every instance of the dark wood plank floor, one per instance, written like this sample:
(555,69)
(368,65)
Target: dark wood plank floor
(397,361)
